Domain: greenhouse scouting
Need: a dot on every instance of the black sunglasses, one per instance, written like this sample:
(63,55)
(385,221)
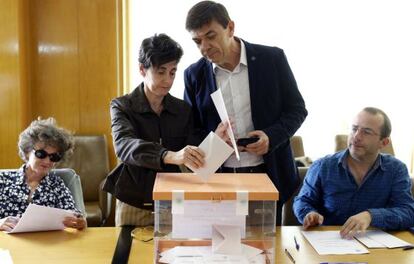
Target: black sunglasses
(42,154)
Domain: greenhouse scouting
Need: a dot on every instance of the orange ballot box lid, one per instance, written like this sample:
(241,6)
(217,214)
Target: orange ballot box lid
(220,186)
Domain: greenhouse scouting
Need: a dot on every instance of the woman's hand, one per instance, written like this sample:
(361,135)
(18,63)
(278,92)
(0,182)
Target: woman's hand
(8,223)
(75,222)
(190,156)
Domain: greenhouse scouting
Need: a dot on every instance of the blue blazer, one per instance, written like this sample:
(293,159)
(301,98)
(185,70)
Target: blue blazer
(277,108)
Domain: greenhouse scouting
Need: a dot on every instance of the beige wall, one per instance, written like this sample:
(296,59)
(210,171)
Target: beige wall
(65,67)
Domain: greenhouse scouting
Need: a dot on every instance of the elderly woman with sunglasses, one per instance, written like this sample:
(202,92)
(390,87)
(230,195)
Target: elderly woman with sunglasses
(41,146)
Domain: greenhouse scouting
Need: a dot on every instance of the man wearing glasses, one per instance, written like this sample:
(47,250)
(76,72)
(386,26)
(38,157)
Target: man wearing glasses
(358,187)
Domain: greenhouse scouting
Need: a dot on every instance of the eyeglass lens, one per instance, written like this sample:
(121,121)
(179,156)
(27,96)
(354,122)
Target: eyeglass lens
(42,154)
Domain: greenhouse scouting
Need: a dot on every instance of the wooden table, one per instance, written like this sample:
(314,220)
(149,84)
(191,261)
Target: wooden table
(97,245)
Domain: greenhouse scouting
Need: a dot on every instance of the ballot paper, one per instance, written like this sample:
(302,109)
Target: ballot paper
(216,152)
(204,254)
(331,243)
(380,239)
(226,239)
(199,216)
(41,218)
(5,257)
(218,101)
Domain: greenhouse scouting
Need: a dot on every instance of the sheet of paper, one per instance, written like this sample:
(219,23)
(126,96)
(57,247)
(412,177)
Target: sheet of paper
(199,216)
(331,243)
(380,239)
(226,239)
(5,257)
(216,152)
(218,101)
(41,218)
(204,254)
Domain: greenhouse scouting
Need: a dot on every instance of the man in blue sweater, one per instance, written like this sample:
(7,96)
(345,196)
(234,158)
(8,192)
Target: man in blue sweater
(358,187)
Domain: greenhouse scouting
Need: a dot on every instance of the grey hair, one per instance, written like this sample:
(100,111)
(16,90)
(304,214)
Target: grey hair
(47,132)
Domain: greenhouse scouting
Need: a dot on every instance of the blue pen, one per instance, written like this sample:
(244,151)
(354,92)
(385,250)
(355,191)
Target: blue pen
(296,243)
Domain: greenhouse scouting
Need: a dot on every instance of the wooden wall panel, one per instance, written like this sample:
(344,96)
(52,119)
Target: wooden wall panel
(58,58)
(12,87)
(55,58)
(98,65)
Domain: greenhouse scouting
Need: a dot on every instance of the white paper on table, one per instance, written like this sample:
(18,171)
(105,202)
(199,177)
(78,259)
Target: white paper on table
(41,218)
(218,101)
(199,216)
(380,239)
(203,254)
(216,152)
(331,243)
(5,257)
(226,239)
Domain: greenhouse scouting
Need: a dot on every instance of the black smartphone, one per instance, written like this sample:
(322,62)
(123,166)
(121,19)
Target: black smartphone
(246,141)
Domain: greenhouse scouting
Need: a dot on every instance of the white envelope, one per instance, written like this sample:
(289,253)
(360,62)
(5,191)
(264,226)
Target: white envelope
(216,152)
(226,239)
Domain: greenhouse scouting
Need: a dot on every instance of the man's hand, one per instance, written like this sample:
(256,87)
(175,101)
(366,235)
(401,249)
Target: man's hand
(190,156)
(221,131)
(356,224)
(260,147)
(312,219)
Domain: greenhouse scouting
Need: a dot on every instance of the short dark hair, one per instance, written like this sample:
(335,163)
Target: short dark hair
(386,126)
(204,12)
(158,50)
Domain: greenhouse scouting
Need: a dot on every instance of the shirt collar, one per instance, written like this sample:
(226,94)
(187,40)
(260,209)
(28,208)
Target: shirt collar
(242,59)
(378,161)
(22,173)
(139,102)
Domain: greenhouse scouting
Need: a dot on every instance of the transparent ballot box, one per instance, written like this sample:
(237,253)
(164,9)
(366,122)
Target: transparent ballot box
(230,217)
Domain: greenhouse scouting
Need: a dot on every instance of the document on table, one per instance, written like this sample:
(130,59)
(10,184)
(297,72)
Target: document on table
(216,152)
(5,257)
(380,239)
(41,218)
(218,101)
(331,243)
(199,217)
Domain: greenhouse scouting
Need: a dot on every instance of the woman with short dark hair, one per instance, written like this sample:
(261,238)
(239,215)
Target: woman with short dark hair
(41,146)
(152,132)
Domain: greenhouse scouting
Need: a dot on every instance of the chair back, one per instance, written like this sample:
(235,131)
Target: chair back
(296,144)
(288,217)
(341,143)
(90,160)
(73,182)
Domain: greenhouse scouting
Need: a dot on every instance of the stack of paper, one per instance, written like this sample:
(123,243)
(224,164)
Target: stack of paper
(204,255)
(331,243)
(380,239)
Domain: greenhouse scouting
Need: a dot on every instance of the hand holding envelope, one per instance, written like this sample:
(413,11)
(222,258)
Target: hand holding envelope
(216,152)
(226,239)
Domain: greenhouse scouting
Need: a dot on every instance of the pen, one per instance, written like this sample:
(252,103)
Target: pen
(408,247)
(296,243)
(289,256)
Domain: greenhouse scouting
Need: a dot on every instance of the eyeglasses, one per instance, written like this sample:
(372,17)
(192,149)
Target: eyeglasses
(42,154)
(365,131)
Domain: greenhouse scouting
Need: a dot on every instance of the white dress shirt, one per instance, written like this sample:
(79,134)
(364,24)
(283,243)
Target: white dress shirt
(236,94)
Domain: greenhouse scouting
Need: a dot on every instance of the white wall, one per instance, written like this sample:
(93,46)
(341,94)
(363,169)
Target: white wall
(345,54)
